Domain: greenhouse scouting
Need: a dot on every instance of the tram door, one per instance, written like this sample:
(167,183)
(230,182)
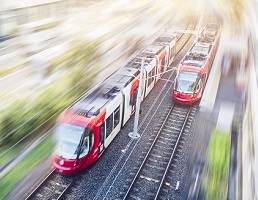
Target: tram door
(162,67)
(133,99)
(110,128)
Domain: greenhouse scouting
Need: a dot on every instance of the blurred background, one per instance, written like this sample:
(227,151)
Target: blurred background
(52,51)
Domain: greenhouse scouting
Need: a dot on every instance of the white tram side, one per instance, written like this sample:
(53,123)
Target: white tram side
(169,41)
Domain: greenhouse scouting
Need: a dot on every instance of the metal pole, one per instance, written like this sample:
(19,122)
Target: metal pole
(135,134)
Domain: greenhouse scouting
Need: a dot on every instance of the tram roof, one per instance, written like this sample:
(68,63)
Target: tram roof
(153,49)
(92,104)
(164,39)
(201,48)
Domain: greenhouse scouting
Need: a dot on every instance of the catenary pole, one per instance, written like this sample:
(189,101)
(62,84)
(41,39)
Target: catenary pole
(135,133)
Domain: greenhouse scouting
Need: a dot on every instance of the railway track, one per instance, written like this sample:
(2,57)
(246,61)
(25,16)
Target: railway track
(151,179)
(184,38)
(106,188)
(52,187)
(55,186)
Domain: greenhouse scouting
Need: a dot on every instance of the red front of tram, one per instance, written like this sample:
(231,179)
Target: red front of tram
(77,142)
(188,86)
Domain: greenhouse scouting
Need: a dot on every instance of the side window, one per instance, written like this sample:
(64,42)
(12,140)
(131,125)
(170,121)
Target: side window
(91,140)
(135,92)
(111,122)
(117,116)
(172,52)
(87,145)
(153,75)
(149,78)
(102,133)
(133,97)
(163,63)
(198,86)
(210,48)
(109,125)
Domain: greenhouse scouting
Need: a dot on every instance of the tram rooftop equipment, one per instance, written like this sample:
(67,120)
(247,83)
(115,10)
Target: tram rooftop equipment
(102,95)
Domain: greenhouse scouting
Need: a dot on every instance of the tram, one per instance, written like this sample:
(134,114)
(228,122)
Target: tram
(85,129)
(193,70)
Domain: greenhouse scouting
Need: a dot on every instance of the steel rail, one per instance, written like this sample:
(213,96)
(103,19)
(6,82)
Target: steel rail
(134,181)
(47,181)
(177,52)
(69,185)
(40,185)
(173,154)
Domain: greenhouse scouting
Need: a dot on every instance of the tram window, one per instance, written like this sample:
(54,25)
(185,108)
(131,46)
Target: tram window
(162,65)
(87,144)
(91,140)
(209,48)
(198,86)
(149,78)
(102,132)
(151,75)
(135,92)
(85,147)
(117,116)
(163,62)
(172,50)
(133,97)
(109,125)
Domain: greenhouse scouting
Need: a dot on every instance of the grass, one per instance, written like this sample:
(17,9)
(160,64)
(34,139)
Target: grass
(43,107)
(41,152)
(40,112)
(218,166)
(13,69)
(10,154)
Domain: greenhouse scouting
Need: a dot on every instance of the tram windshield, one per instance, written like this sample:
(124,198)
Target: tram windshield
(69,137)
(186,82)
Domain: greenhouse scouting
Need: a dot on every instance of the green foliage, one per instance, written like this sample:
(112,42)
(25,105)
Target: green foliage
(39,113)
(13,69)
(79,53)
(35,157)
(218,167)
(10,154)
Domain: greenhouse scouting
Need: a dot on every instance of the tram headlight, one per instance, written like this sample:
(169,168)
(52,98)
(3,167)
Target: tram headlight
(61,162)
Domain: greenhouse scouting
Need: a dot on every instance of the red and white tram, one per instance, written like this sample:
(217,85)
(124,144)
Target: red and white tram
(169,43)
(193,71)
(86,128)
